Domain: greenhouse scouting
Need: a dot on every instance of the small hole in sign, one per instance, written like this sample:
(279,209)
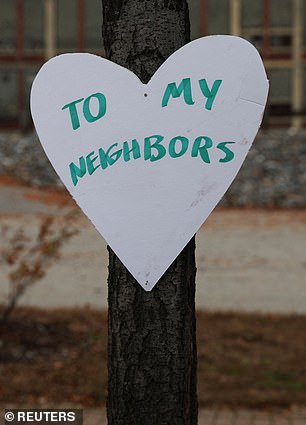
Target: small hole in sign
(147,282)
(146,95)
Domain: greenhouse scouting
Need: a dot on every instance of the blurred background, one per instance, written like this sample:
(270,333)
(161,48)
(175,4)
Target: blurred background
(35,30)
(251,253)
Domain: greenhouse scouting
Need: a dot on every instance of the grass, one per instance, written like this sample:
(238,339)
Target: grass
(245,360)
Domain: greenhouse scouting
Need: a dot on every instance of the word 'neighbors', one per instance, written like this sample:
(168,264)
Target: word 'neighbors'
(153,148)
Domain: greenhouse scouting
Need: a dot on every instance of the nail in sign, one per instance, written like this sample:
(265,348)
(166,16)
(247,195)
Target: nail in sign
(148,163)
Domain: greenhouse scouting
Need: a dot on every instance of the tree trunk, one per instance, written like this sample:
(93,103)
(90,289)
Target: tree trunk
(152,344)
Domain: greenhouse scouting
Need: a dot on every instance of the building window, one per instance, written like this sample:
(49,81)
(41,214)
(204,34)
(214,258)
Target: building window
(251,14)
(252,22)
(281,26)
(218,13)
(281,13)
(34,25)
(7,26)
(67,38)
(280,90)
(93,24)
(8,98)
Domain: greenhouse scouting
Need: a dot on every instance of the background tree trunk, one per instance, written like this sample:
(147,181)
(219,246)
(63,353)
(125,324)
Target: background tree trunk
(152,343)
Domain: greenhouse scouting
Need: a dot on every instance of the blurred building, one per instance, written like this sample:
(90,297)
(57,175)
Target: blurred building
(35,30)
(31,31)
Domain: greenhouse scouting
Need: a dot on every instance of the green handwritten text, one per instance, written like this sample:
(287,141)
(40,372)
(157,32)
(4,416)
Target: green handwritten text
(153,148)
(96,99)
(174,90)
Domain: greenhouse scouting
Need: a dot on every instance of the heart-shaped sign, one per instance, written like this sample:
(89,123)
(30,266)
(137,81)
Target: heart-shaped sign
(148,163)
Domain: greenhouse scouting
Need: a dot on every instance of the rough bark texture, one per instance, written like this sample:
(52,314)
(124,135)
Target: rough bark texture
(152,344)
(141,34)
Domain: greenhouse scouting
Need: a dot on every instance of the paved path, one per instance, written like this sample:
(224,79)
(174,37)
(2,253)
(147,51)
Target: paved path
(247,260)
(224,417)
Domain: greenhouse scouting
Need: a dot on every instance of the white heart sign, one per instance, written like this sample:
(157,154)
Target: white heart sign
(147,163)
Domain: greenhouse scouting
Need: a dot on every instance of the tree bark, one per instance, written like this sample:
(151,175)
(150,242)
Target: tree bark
(152,344)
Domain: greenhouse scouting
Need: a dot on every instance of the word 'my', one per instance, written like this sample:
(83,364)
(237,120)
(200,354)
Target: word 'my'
(185,88)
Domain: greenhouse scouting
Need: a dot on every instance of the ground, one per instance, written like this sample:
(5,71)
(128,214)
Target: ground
(58,357)
(251,366)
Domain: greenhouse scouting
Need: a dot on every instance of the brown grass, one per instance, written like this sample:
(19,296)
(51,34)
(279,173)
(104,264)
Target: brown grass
(244,360)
